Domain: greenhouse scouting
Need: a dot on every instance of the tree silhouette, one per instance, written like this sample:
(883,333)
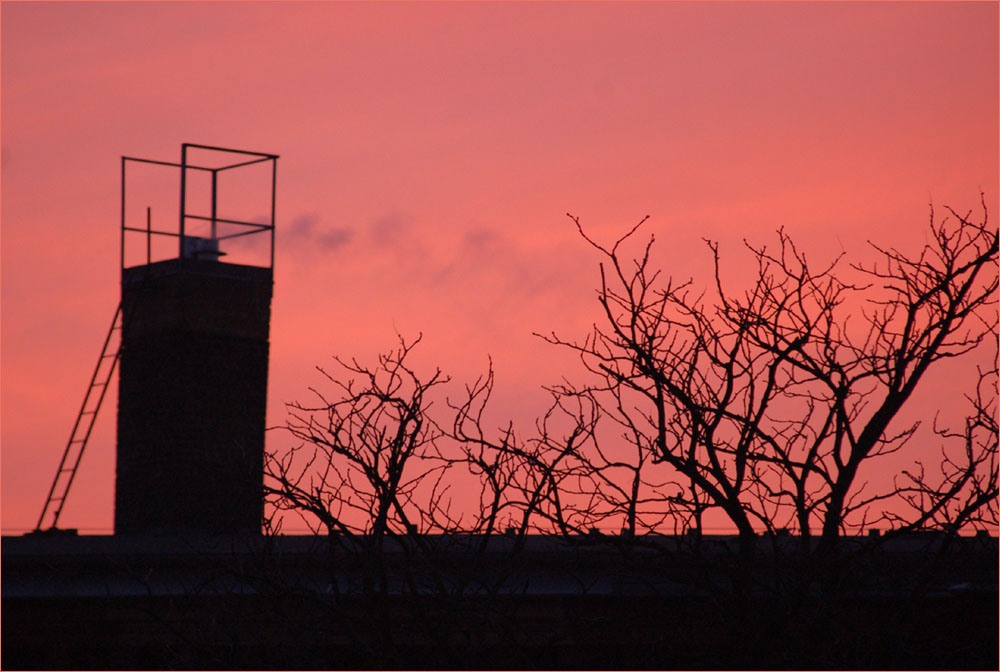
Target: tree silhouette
(769,401)
(767,405)
(354,471)
(372,471)
(373,461)
(962,490)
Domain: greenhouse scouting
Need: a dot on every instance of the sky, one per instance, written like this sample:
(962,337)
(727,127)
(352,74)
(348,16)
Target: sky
(429,155)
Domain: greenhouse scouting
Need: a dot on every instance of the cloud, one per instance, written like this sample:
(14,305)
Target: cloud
(334,238)
(480,240)
(391,230)
(300,228)
(305,231)
(493,262)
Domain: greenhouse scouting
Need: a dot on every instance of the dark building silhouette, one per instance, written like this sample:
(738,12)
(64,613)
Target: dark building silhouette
(192,397)
(215,602)
(194,360)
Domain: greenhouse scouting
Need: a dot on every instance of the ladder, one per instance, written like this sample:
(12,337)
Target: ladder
(83,426)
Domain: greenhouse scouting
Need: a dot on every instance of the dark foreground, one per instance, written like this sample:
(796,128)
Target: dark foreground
(101,605)
(582,633)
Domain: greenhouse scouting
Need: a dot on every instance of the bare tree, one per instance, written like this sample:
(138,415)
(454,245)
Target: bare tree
(962,491)
(373,470)
(769,403)
(374,460)
(763,409)
(528,484)
(364,458)
(363,454)
(765,405)
(679,382)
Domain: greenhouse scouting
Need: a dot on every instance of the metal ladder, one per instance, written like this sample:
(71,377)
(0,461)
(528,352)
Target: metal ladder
(83,426)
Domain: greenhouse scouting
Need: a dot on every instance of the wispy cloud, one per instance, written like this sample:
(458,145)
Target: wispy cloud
(335,238)
(306,230)
(391,230)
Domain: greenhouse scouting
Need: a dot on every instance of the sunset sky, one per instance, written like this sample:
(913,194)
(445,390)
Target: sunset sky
(429,153)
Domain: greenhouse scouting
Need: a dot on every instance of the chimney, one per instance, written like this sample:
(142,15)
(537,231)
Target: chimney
(194,361)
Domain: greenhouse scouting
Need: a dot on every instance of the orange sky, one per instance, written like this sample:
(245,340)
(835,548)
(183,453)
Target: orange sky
(429,153)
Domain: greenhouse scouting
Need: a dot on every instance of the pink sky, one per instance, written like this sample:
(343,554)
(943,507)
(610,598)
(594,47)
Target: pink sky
(429,153)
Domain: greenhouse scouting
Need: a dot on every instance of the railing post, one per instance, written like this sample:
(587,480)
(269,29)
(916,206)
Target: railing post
(180,251)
